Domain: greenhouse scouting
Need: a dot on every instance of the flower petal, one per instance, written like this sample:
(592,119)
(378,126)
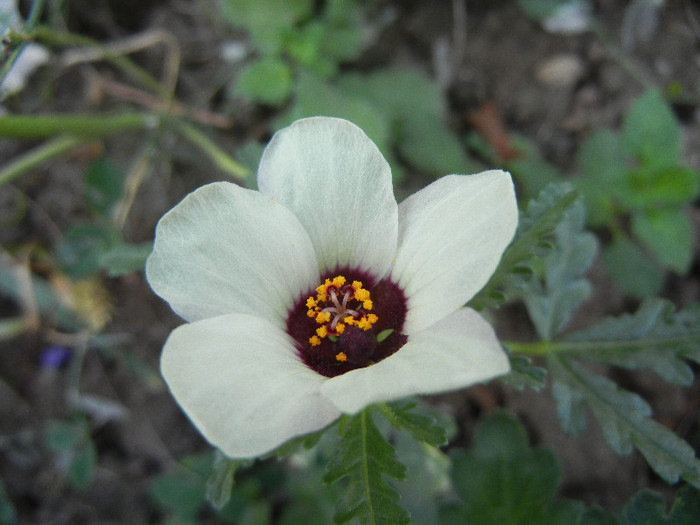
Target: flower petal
(239,380)
(333,177)
(451,237)
(226,249)
(456,352)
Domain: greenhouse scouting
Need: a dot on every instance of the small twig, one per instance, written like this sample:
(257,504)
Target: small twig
(130,45)
(143,98)
(48,150)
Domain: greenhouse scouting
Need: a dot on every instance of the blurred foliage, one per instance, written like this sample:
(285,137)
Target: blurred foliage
(630,184)
(297,70)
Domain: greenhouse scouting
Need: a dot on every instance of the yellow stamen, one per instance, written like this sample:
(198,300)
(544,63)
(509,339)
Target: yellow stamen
(367,304)
(311,302)
(314,340)
(340,328)
(321,331)
(323,317)
(340,356)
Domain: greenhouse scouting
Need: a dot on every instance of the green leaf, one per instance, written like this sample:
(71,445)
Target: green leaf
(82,246)
(422,428)
(180,492)
(417,118)
(624,419)
(268,21)
(124,258)
(658,187)
(523,374)
(104,183)
(651,132)
(655,337)
(530,169)
(603,164)
(532,239)
(62,436)
(632,269)
(268,80)
(365,458)
(316,96)
(649,508)
(668,234)
(502,480)
(82,467)
(221,481)
(552,299)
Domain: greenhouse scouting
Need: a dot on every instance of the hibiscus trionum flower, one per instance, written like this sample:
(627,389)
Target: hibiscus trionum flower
(318,295)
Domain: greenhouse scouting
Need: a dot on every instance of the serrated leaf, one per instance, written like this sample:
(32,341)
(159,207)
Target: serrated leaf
(624,419)
(523,374)
(536,225)
(422,428)
(365,458)
(502,480)
(655,337)
(552,299)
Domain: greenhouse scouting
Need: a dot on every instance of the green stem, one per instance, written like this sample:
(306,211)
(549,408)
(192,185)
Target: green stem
(365,465)
(217,155)
(36,156)
(86,126)
(538,348)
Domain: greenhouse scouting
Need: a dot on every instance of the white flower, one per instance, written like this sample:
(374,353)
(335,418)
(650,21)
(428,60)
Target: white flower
(287,288)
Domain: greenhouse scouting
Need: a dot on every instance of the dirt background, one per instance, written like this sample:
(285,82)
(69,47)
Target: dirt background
(498,55)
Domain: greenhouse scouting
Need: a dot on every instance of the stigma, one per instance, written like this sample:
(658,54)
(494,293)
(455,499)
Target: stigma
(338,305)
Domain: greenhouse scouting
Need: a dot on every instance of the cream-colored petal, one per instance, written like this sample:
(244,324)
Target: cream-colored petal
(451,237)
(226,249)
(333,177)
(239,380)
(456,352)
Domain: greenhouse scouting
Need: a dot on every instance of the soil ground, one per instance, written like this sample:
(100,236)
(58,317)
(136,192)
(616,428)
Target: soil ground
(504,58)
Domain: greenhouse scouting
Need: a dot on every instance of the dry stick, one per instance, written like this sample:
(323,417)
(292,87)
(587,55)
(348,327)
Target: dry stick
(143,98)
(129,45)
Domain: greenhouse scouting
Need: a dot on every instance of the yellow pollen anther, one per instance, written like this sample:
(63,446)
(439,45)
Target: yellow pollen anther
(361,294)
(340,328)
(323,317)
(349,320)
(341,357)
(321,331)
(372,318)
(338,281)
(311,302)
(367,304)
(314,340)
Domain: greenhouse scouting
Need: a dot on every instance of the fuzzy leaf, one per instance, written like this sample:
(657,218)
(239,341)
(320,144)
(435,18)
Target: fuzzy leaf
(655,337)
(668,234)
(365,458)
(535,228)
(523,374)
(552,299)
(502,480)
(422,428)
(624,419)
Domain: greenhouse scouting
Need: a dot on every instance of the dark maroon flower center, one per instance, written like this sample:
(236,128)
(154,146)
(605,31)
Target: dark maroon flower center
(351,320)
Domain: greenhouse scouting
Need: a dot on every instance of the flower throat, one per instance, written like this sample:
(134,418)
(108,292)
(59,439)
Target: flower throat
(348,322)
